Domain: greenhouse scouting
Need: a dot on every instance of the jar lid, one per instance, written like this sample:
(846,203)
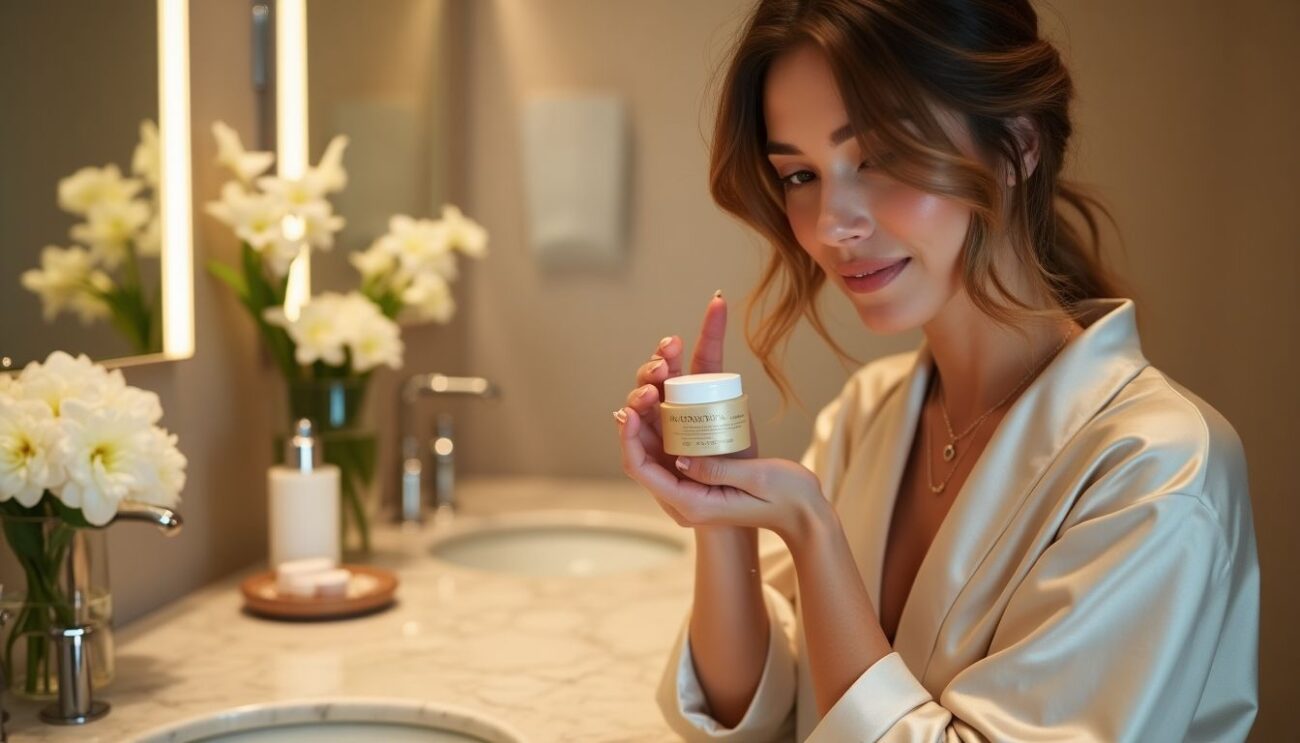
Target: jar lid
(695,389)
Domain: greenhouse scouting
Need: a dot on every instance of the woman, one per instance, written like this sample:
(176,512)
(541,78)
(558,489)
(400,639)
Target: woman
(1020,531)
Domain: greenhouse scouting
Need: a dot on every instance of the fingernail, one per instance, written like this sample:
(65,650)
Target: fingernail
(620,416)
(717,294)
(683,463)
(655,366)
(666,340)
(643,391)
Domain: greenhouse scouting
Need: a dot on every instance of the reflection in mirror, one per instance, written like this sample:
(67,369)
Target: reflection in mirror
(380,73)
(82,183)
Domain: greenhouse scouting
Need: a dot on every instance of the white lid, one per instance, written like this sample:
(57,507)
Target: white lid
(694,389)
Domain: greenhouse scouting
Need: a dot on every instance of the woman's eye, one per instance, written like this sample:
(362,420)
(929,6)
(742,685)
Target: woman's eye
(798,178)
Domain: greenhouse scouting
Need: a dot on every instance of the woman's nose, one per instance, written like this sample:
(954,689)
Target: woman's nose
(845,218)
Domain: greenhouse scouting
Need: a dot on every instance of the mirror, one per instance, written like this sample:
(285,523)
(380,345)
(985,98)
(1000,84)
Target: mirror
(379,73)
(94,181)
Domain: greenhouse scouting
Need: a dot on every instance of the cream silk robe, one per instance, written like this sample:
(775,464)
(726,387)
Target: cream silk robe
(1094,579)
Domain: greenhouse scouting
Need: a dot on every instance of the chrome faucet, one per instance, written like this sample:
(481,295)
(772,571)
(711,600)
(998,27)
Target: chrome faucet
(76,704)
(411,475)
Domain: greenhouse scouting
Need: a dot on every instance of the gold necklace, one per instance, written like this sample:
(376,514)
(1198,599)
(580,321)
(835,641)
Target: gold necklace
(950,453)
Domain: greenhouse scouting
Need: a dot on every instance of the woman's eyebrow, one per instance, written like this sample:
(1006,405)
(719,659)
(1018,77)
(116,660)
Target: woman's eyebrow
(838,137)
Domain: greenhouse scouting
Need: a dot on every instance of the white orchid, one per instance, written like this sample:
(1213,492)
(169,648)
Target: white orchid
(231,153)
(334,328)
(145,161)
(463,233)
(30,458)
(320,223)
(109,226)
(68,279)
(92,186)
(375,340)
(73,429)
(374,263)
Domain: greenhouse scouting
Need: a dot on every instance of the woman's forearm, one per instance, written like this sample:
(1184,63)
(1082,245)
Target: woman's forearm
(729,623)
(841,630)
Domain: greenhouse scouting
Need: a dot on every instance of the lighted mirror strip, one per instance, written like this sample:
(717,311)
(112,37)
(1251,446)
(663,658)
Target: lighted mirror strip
(291,125)
(174,198)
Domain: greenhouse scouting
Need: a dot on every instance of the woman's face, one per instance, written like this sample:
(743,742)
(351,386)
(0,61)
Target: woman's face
(851,218)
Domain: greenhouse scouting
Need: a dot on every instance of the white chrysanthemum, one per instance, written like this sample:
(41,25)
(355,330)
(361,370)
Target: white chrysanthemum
(109,458)
(117,394)
(109,226)
(92,186)
(9,385)
(231,153)
(375,340)
(62,378)
(419,245)
(170,465)
(68,279)
(429,298)
(463,233)
(374,263)
(145,160)
(257,219)
(30,456)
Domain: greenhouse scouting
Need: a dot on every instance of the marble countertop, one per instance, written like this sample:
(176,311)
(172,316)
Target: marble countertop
(559,659)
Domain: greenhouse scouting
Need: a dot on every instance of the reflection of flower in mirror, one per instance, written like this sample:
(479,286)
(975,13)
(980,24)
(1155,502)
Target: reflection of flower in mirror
(90,186)
(68,279)
(110,227)
(145,161)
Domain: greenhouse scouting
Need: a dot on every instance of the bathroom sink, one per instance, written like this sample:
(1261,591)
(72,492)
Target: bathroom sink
(338,721)
(561,543)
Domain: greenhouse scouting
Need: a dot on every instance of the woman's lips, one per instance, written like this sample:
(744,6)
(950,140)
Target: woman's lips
(866,280)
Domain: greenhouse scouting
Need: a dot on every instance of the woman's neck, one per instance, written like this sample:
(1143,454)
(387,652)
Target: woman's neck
(981,362)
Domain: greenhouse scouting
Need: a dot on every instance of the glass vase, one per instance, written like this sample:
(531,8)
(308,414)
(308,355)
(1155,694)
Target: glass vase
(66,573)
(336,409)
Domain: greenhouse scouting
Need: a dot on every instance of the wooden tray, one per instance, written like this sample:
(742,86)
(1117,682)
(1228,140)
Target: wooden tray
(369,590)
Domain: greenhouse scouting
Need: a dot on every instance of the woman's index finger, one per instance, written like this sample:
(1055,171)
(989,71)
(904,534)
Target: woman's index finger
(713,332)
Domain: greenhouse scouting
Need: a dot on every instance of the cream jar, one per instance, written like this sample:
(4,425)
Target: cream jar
(704,415)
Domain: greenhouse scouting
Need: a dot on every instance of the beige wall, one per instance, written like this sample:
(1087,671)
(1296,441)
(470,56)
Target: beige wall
(1186,122)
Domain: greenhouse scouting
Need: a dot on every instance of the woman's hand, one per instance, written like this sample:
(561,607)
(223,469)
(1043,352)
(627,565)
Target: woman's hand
(738,490)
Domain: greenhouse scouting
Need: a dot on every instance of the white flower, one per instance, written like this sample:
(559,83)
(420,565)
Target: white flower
(62,378)
(170,465)
(463,233)
(329,173)
(67,278)
(108,455)
(231,153)
(375,340)
(145,161)
(319,223)
(9,385)
(374,263)
(419,245)
(30,458)
(321,331)
(257,219)
(109,226)
(92,186)
(429,298)
(325,178)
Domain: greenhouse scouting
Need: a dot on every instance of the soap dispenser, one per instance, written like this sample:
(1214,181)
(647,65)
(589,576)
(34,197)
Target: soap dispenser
(304,501)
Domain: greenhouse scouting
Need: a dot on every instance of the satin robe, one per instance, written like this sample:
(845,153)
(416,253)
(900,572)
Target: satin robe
(1095,577)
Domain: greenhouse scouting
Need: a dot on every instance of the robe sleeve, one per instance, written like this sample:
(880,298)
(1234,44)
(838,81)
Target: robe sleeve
(771,713)
(1109,637)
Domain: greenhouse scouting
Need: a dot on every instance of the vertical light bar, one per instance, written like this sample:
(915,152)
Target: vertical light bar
(291,125)
(177,263)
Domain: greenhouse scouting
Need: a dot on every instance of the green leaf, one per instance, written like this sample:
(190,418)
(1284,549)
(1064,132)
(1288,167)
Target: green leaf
(231,279)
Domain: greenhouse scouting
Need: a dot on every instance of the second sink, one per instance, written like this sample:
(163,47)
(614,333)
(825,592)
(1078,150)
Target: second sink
(562,543)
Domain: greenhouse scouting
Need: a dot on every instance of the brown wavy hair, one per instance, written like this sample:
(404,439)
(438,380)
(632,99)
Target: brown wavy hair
(893,60)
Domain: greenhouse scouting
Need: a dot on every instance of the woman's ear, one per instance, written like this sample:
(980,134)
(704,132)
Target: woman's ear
(1026,135)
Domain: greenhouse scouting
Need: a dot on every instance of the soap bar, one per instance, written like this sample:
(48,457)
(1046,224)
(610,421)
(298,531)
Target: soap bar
(298,577)
(332,583)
